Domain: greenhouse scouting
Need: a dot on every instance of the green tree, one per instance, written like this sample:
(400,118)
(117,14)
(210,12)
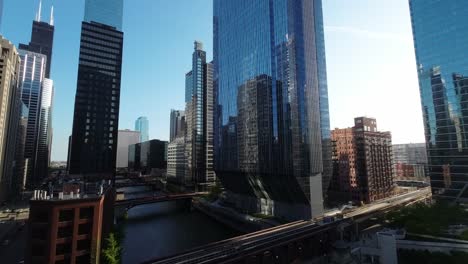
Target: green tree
(112,253)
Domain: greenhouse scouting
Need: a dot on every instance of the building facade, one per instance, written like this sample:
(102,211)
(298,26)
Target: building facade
(410,161)
(21,164)
(275,159)
(125,139)
(69,227)
(37,95)
(177,125)
(199,120)
(97,101)
(362,163)
(32,73)
(149,157)
(440,38)
(176,161)
(44,138)
(9,114)
(142,126)
(42,38)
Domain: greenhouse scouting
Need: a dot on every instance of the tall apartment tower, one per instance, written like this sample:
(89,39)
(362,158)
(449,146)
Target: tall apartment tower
(97,101)
(272,131)
(443,82)
(177,124)
(362,159)
(9,113)
(199,118)
(142,126)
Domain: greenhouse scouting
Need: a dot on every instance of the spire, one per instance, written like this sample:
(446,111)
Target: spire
(52,16)
(38,14)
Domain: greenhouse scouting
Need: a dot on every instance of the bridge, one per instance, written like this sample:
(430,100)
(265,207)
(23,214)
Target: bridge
(290,242)
(153,183)
(129,203)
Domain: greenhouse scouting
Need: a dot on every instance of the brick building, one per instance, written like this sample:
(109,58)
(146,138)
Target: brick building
(362,160)
(69,227)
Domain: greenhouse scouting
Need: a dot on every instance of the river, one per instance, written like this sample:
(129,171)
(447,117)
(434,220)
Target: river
(158,230)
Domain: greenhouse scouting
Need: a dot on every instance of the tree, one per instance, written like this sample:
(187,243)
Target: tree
(113,251)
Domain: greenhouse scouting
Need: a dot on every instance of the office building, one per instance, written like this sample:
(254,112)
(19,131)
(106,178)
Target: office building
(69,225)
(9,113)
(362,163)
(176,161)
(142,126)
(199,120)
(37,94)
(149,158)
(440,30)
(275,158)
(134,152)
(97,101)
(32,74)
(44,139)
(125,139)
(177,125)
(20,172)
(42,38)
(410,161)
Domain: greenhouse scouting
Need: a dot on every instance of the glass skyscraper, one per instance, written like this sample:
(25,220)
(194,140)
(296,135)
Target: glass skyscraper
(96,115)
(142,125)
(32,72)
(199,120)
(107,12)
(272,132)
(440,30)
(44,140)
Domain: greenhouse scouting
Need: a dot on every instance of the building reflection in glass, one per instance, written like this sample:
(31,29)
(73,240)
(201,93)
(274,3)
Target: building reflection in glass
(441,40)
(272,134)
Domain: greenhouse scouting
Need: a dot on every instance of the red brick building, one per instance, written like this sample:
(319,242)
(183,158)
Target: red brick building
(362,160)
(70,228)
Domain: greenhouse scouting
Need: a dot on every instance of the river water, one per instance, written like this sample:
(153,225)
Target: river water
(158,230)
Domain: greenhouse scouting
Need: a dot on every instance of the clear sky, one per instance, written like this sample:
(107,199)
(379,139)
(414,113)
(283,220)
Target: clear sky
(370,61)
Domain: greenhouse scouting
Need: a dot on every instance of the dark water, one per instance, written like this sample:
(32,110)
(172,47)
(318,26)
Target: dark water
(164,229)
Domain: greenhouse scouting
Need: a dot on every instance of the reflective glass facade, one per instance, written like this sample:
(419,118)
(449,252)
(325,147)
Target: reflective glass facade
(199,120)
(272,134)
(107,12)
(440,30)
(44,140)
(142,125)
(32,72)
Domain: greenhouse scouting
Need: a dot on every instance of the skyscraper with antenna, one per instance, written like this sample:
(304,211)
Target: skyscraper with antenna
(42,37)
(38,98)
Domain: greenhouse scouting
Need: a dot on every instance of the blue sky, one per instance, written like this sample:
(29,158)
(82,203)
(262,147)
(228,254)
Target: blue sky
(370,61)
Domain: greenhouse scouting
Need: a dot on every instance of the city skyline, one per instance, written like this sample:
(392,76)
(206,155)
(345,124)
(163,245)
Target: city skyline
(371,39)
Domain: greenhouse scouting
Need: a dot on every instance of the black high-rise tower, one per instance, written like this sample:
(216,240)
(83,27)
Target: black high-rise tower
(96,115)
(42,39)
